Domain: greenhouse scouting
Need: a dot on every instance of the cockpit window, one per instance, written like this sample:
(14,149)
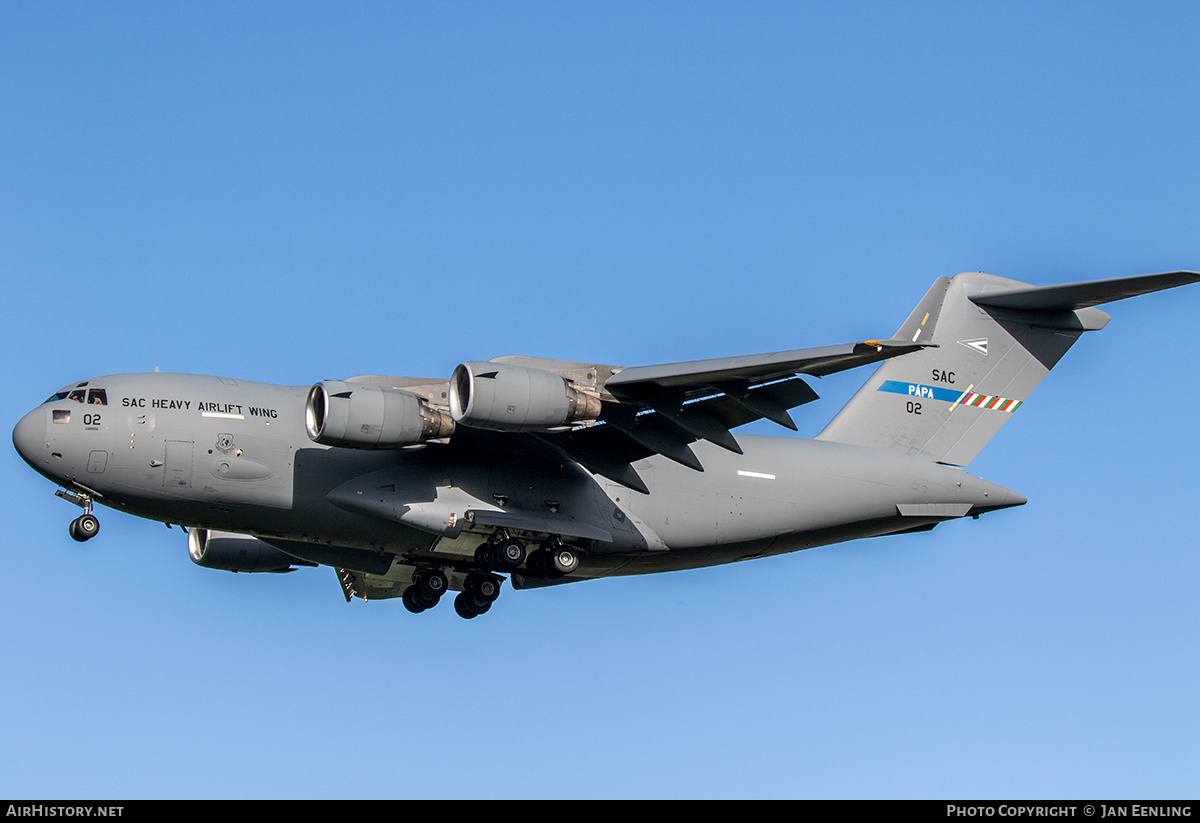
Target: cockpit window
(92,397)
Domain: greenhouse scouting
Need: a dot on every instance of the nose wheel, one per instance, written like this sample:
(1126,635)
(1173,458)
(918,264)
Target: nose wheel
(84,527)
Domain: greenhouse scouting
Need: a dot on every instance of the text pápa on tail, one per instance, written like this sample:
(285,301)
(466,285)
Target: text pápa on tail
(546,471)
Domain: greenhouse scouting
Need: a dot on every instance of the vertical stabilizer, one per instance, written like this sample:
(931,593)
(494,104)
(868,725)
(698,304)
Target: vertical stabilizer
(945,402)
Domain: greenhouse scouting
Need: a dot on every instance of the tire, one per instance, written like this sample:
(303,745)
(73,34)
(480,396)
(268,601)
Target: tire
(413,601)
(431,582)
(483,589)
(536,564)
(562,561)
(84,527)
(509,554)
(483,556)
(465,606)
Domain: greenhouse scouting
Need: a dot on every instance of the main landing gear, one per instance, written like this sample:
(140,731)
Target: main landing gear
(552,560)
(480,590)
(503,553)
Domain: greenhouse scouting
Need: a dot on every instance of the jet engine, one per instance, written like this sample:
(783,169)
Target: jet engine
(513,398)
(236,552)
(359,416)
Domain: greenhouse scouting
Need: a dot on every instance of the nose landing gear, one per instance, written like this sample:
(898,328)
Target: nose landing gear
(86,526)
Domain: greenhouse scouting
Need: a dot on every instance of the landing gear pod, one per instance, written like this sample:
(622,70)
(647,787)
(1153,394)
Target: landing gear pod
(512,398)
(359,416)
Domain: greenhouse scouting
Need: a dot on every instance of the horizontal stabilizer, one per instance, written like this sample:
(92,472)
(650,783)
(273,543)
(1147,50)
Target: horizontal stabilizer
(1070,296)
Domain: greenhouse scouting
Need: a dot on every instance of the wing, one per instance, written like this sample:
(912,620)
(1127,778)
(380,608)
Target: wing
(664,409)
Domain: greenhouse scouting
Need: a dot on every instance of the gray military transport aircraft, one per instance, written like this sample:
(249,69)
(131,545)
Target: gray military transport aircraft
(551,471)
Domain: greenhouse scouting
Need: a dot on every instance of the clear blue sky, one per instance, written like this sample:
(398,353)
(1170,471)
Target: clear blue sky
(289,192)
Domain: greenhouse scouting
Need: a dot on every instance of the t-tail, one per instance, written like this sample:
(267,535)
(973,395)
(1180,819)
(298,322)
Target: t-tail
(994,340)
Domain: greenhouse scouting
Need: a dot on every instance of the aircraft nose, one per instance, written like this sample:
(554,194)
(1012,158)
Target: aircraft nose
(29,436)
(1015,499)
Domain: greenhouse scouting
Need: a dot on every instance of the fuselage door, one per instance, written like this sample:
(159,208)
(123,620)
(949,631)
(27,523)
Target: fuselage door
(97,461)
(177,471)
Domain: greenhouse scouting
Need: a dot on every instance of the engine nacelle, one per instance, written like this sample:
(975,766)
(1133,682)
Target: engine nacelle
(359,416)
(235,552)
(513,398)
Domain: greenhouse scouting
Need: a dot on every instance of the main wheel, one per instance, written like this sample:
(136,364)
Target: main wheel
(536,564)
(562,561)
(509,554)
(485,556)
(410,602)
(482,588)
(465,606)
(416,601)
(432,583)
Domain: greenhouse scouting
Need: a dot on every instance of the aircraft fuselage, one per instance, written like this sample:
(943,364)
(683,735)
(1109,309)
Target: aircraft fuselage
(231,455)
